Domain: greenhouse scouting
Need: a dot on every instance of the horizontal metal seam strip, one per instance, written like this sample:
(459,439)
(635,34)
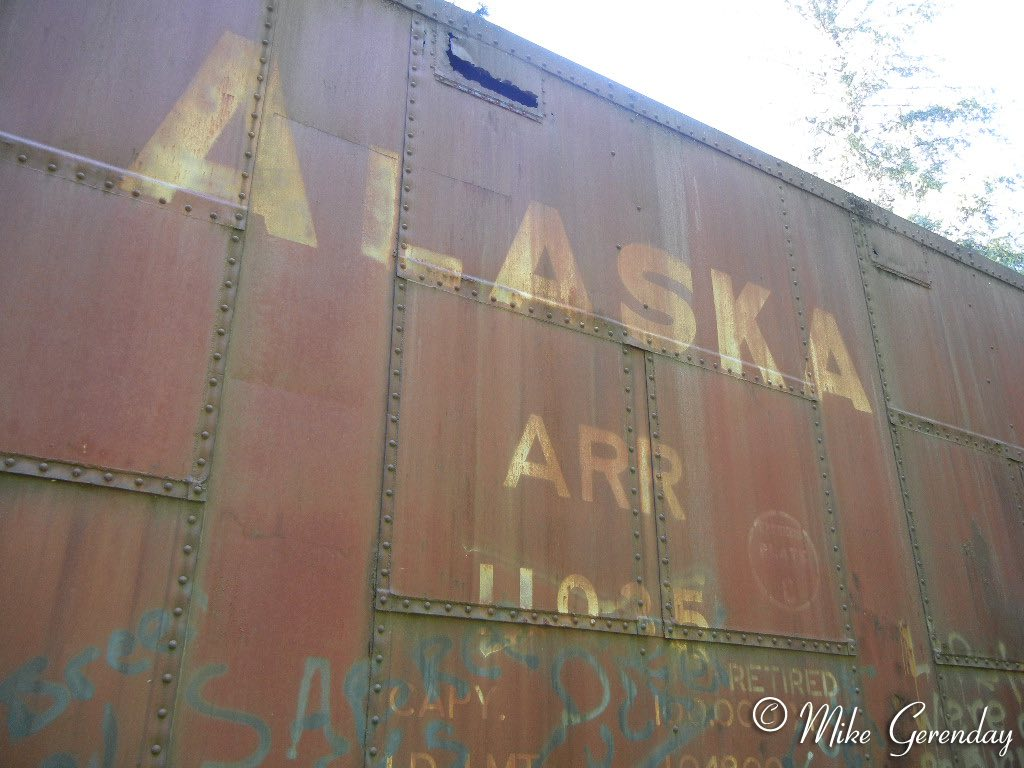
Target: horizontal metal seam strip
(462,610)
(119,182)
(104,477)
(474,289)
(926,426)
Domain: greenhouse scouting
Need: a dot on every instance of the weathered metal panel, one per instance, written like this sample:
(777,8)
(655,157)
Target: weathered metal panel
(276,669)
(885,610)
(111,307)
(88,626)
(746,516)
(938,345)
(486,694)
(592,299)
(993,700)
(161,91)
(596,215)
(530,502)
(969,528)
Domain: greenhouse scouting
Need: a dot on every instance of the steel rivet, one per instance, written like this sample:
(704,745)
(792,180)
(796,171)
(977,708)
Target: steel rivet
(155,749)
(76,472)
(139,481)
(167,677)
(172,644)
(188,209)
(79,175)
(43,466)
(161,713)
(108,476)
(51,167)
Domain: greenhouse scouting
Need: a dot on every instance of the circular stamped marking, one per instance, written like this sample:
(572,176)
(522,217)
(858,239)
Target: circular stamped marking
(783,560)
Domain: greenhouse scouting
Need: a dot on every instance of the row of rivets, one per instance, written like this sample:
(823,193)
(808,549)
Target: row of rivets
(978,662)
(377,706)
(664,570)
(863,248)
(820,450)
(114,181)
(503,613)
(208,414)
(55,469)
(688,126)
(638,475)
(169,666)
(819,432)
(584,322)
(955,435)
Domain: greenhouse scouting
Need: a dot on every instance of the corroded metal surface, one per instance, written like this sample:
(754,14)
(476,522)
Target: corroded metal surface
(745,514)
(552,427)
(106,355)
(530,505)
(499,694)
(90,623)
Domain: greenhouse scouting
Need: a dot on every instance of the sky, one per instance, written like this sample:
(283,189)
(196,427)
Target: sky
(742,66)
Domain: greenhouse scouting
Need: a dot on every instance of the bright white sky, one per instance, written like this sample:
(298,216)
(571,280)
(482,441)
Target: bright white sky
(740,66)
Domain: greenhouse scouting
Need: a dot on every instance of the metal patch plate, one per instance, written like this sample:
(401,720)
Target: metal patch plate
(91,628)
(108,351)
(529,504)
(970,531)
(745,522)
(476,693)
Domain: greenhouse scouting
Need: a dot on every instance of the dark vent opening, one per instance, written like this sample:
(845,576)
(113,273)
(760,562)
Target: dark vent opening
(503,88)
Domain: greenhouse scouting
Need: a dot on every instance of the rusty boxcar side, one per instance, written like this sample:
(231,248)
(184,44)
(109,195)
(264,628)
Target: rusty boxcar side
(378,388)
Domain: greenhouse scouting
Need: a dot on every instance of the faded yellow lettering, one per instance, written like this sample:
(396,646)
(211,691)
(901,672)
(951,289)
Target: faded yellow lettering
(453,699)
(670,476)
(380,204)
(486,583)
(737,325)
(636,263)
(526,587)
(483,699)
(575,581)
(549,470)
(685,597)
(177,151)
(541,236)
(612,468)
(449,266)
(393,703)
(826,346)
(281,195)
(431,706)
(418,759)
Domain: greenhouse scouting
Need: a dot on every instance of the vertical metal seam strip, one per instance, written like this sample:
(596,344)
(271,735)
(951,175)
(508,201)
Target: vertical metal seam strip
(637,481)
(824,468)
(657,506)
(199,471)
(377,645)
(861,247)
(181,586)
